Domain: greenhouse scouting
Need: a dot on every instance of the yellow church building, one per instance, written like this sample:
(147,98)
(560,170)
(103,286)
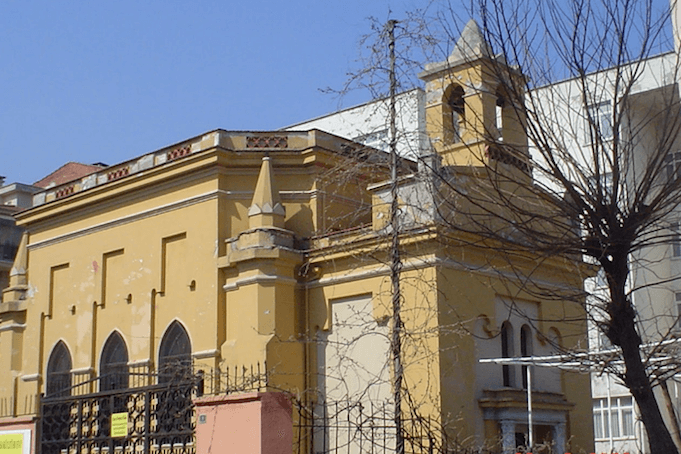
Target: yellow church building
(235,265)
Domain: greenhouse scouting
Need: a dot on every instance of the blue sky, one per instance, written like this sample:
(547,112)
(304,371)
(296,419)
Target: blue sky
(95,81)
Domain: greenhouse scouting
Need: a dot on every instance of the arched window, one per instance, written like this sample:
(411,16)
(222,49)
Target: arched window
(174,358)
(456,111)
(499,115)
(59,371)
(113,366)
(525,348)
(507,352)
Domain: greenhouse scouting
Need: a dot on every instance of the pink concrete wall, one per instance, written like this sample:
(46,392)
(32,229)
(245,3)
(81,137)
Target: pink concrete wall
(253,423)
(21,423)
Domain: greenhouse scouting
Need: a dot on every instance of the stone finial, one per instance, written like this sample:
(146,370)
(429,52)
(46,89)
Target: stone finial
(18,278)
(266,209)
(17,275)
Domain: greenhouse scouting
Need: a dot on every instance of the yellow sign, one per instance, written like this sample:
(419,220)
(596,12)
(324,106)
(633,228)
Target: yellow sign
(119,425)
(11,443)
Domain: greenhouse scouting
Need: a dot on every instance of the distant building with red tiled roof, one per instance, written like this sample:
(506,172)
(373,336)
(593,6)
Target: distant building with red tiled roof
(68,172)
(15,197)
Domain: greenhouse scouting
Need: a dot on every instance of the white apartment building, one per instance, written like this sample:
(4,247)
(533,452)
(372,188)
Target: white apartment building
(368,123)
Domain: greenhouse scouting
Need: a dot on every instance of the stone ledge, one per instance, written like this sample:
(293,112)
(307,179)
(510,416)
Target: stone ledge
(517,398)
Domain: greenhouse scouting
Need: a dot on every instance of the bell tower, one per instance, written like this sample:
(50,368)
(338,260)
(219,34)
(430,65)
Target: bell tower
(474,106)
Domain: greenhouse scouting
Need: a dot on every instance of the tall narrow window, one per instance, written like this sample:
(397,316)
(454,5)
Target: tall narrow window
(113,366)
(507,352)
(676,239)
(672,165)
(626,415)
(457,109)
(599,122)
(499,116)
(59,371)
(677,303)
(174,359)
(525,348)
(601,419)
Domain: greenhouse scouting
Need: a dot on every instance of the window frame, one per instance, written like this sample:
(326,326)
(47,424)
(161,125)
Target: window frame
(113,364)
(677,305)
(596,113)
(675,241)
(612,422)
(174,354)
(507,351)
(672,165)
(59,379)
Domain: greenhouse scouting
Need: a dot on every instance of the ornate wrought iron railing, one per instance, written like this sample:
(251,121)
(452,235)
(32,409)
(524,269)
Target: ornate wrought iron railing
(157,418)
(137,411)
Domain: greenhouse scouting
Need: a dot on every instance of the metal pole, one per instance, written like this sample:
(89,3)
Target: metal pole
(530,434)
(607,419)
(396,263)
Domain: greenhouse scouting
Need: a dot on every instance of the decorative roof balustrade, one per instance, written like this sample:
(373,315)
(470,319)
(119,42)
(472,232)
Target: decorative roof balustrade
(248,141)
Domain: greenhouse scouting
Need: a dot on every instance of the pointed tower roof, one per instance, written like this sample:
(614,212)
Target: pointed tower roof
(471,44)
(266,209)
(470,47)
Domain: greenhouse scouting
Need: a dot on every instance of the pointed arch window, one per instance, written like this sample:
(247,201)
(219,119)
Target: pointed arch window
(507,352)
(456,110)
(174,359)
(113,366)
(59,371)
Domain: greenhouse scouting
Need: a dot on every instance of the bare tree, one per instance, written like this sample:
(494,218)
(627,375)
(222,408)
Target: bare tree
(597,176)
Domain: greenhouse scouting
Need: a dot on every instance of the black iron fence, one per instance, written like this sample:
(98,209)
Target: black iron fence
(133,410)
(157,418)
(352,427)
(156,414)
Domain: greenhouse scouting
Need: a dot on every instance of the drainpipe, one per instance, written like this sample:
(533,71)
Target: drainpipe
(152,335)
